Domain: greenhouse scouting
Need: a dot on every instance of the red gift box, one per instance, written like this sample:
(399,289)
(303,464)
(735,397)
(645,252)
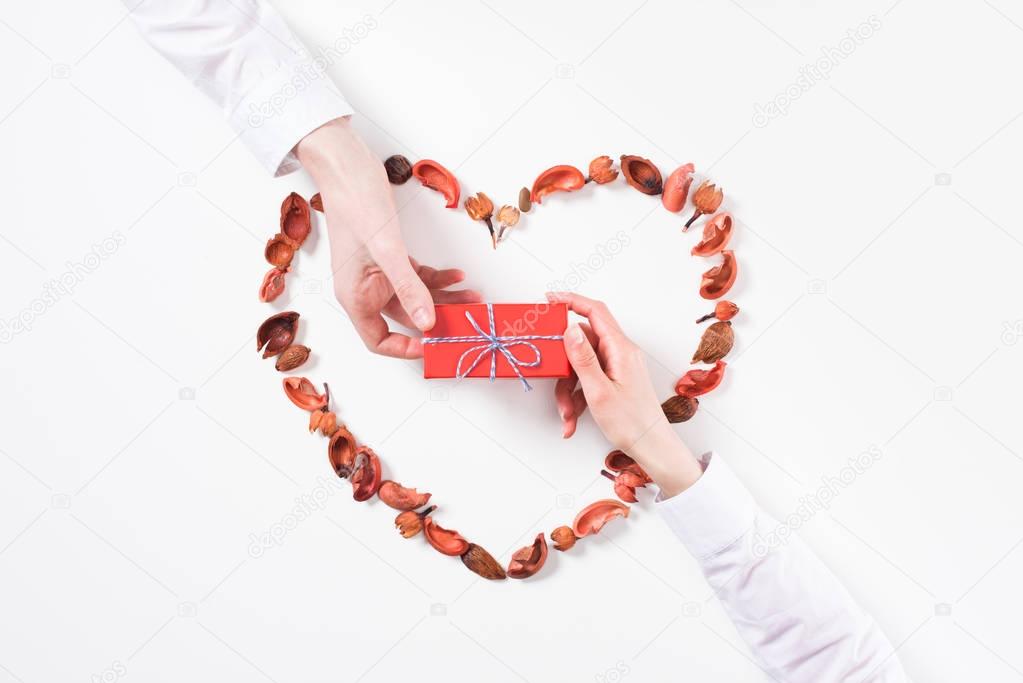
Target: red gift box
(455,347)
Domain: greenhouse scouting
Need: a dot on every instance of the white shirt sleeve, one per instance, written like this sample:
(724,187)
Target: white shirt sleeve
(246,59)
(796,617)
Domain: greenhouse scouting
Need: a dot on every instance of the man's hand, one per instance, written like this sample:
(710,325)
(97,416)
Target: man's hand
(373,273)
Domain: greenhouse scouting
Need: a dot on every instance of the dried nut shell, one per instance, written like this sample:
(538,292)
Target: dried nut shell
(618,461)
(680,408)
(719,279)
(528,560)
(525,203)
(715,344)
(641,174)
(444,540)
(563,538)
(366,474)
(594,516)
(292,357)
(400,498)
(296,223)
(483,563)
(279,251)
(716,233)
(328,423)
(602,170)
(341,452)
(273,285)
(316,201)
(276,333)
(699,382)
(436,177)
(676,188)
(399,169)
(303,394)
(562,178)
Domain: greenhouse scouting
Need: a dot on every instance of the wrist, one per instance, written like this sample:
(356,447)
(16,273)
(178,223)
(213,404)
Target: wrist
(668,461)
(324,151)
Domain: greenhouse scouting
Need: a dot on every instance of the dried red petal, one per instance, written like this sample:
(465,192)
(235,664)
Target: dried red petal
(676,188)
(556,179)
(366,474)
(699,382)
(594,516)
(529,560)
(436,177)
(303,394)
(444,540)
(296,223)
(341,452)
(719,279)
(273,285)
(400,498)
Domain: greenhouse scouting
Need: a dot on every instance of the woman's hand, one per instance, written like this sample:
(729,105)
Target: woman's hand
(616,387)
(373,273)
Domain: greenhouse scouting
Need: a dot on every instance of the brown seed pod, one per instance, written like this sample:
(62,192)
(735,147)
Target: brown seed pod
(641,174)
(400,498)
(528,560)
(272,285)
(316,201)
(292,357)
(315,419)
(276,333)
(563,538)
(366,474)
(715,344)
(328,423)
(525,201)
(279,251)
(602,170)
(303,393)
(399,169)
(680,408)
(295,221)
(411,523)
(341,452)
(723,310)
(483,563)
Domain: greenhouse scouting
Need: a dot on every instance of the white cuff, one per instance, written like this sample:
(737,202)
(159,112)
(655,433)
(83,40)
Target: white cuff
(711,514)
(285,107)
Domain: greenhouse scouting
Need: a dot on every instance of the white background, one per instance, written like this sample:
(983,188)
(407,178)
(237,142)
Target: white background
(880,307)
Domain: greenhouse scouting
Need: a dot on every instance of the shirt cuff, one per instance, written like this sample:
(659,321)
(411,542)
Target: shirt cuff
(713,513)
(286,106)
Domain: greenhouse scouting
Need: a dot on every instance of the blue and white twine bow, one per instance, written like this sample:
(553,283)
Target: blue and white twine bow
(490,345)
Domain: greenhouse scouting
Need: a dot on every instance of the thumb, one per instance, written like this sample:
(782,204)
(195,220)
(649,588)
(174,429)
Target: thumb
(412,293)
(584,361)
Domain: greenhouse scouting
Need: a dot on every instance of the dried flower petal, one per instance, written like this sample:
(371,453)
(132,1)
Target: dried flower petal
(719,279)
(400,498)
(366,474)
(303,394)
(315,418)
(529,560)
(602,170)
(706,199)
(594,516)
(436,177)
(680,408)
(273,284)
(716,234)
(562,178)
(296,223)
(508,216)
(316,201)
(715,344)
(399,169)
(444,540)
(480,208)
(723,311)
(641,174)
(411,523)
(341,452)
(525,203)
(676,188)
(618,461)
(626,483)
(483,563)
(276,333)
(699,382)
(563,538)
(292,357)
(279,251)
(328,423)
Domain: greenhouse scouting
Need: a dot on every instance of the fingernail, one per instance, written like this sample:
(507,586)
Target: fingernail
(421,318)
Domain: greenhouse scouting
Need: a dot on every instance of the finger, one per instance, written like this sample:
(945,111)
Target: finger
(379,339)
(563,399)
(395,312)
(408,287)
(585,362)
(596,311)
(439,279)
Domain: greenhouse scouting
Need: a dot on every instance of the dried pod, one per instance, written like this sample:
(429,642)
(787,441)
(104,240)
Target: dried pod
(594,516)
(699,382)
(602,170)
(507,217)
(626,483)
(563,538)
(641,174)
(315,418)
(676,188)
(525,203)
(719,279)
(444,540)
(292,357)
(328,423)
(480,208)
(399,169)
(279,251)
(618,461)
(528,560)
(366,474)
(341,452)
(276,333)
(411,523)
(316,201)
(303,394)
(706,199)
(716,234)
(400,498)
(556,179)
(296,223)
(436,177)
(483,563)
(273,285)
(715,344)
(680,408)
(723,311)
